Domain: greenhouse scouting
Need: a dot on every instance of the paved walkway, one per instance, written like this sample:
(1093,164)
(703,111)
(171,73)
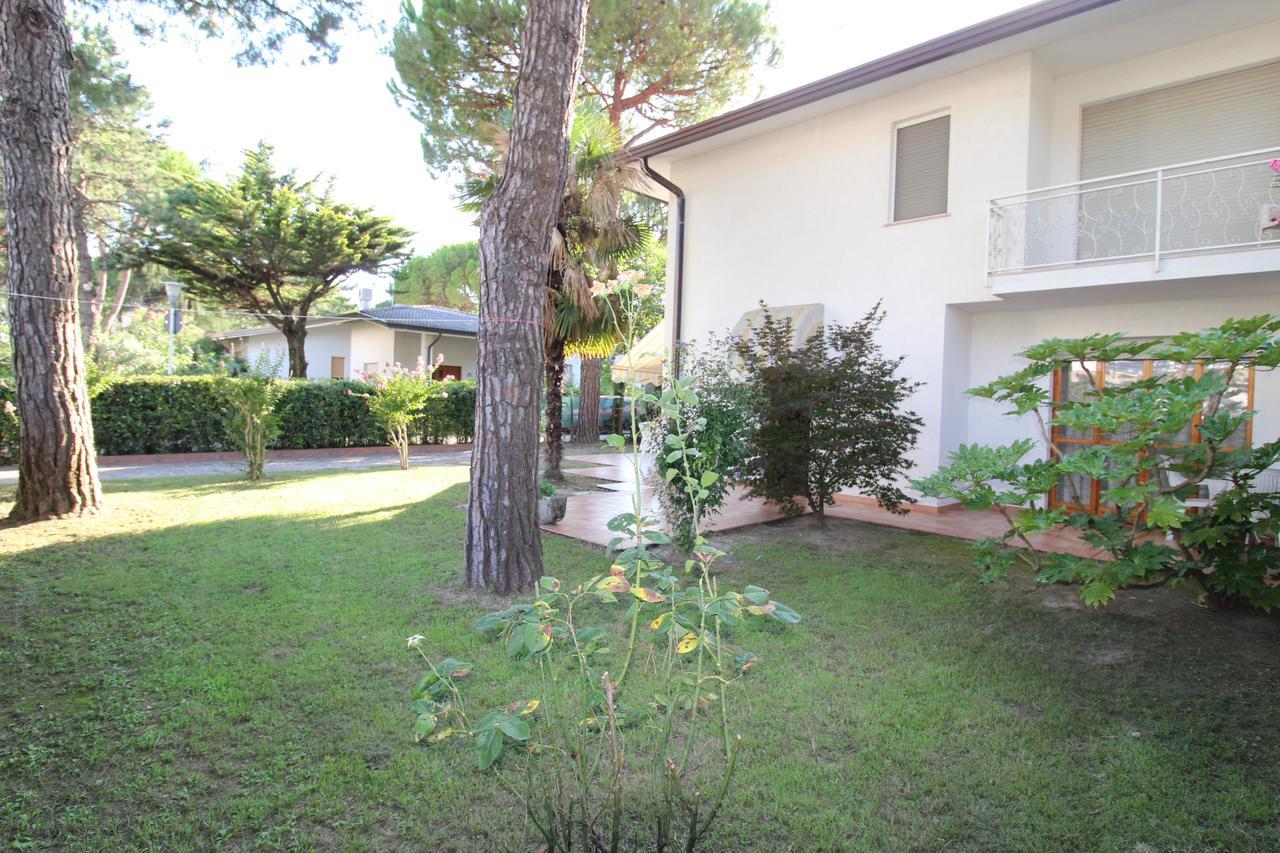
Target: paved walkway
(588,515)
(358,459)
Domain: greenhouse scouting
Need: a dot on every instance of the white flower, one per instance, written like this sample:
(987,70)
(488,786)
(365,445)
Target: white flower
(415,642)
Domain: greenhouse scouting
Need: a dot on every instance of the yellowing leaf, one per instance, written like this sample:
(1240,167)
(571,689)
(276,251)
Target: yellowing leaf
(687,643)
(762,609)
(617,571)
(614,584)
(524,708)
(440,735)
(645,594)
(660,621)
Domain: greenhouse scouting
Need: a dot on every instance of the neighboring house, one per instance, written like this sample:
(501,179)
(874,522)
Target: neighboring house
(365,342)
(1073,167)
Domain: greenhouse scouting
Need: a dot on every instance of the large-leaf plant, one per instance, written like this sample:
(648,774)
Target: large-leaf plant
(1147,533)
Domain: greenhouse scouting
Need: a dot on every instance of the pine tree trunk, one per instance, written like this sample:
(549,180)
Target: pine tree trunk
(57,472)
(589,389)
(122,291)
(555,411)
(504,550)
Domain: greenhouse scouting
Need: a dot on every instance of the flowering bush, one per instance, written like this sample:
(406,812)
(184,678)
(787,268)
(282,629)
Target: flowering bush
(397,399)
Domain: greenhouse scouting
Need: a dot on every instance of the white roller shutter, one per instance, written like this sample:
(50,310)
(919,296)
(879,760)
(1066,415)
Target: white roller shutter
(1214,117)
(921,154)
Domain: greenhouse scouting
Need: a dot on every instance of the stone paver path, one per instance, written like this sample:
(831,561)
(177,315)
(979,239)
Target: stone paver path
(587,516)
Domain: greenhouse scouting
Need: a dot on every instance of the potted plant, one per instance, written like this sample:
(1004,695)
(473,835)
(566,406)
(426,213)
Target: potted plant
(551,507)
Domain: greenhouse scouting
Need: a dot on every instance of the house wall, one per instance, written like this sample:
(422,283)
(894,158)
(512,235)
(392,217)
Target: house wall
(457,349)
(800,214)
(360,343)
(998,336)
(324,343)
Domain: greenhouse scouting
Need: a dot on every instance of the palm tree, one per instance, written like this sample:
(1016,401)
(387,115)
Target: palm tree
(593,235)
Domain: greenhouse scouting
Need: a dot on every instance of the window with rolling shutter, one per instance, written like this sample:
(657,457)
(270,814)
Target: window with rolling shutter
(1213,117)
(921,153)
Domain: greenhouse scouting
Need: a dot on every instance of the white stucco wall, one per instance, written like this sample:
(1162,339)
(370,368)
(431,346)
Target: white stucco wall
(457,349)
(802,215)
(361,343)
(998,336)
(799,213)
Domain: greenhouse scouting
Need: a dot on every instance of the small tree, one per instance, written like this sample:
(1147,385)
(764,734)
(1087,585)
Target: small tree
(399,396)
(252,420)
(1146,468)
(832,415)
(270,244)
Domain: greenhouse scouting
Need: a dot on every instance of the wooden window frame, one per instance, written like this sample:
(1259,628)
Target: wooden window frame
(1099,369)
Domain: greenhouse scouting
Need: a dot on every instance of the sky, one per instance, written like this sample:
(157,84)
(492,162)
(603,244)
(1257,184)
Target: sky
(340,120)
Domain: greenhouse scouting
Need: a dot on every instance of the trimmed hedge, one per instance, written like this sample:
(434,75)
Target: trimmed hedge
(186,414)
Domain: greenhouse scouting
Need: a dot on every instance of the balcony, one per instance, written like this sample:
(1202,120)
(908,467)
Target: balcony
(1190,220)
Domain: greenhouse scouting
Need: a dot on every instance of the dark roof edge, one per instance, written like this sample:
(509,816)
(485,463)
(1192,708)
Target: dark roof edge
(408,327)
(986,32)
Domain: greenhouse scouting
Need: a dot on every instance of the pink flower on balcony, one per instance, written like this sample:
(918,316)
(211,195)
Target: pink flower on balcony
(1275,165)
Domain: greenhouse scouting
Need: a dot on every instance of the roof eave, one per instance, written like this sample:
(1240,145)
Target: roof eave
(978,35)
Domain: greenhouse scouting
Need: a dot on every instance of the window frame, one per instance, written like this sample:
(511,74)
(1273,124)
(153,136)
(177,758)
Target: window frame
(1099,369)
(943,112)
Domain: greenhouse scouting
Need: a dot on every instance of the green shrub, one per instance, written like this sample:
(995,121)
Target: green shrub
(8,424)
(252,420)
(832,415)
(327,414)
(1144,532)
(186,414)
(719,420)
(159,414)
(452,416)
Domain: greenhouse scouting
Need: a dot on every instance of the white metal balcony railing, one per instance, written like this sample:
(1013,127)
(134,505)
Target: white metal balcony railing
(1218,205)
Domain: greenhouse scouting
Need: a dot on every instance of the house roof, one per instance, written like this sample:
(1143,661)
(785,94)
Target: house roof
(418,318)
(423,318)
(978,35)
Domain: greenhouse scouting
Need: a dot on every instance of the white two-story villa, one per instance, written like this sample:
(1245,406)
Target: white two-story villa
(1076,166)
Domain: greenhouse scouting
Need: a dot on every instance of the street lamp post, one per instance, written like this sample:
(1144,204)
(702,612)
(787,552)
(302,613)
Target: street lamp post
(174,290)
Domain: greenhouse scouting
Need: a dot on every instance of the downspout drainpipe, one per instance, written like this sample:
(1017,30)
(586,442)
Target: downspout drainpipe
(677,286)
(431,354)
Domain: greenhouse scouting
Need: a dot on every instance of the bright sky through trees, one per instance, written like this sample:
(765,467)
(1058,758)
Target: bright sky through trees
(339,119)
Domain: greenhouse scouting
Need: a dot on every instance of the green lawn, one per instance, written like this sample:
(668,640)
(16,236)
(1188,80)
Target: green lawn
(211,664)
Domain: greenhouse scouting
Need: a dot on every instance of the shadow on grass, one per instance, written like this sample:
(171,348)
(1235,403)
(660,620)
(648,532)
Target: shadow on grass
(243,681)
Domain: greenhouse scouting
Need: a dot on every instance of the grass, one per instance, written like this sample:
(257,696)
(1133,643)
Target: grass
(214,664)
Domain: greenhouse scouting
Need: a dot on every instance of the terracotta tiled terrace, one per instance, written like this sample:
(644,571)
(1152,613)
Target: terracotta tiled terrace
(589,514)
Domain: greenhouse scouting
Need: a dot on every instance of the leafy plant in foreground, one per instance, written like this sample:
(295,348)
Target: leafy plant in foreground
(629,718)
(720,424)
(1146,533)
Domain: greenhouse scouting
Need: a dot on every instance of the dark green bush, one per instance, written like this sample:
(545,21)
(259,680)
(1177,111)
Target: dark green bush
(450,416)
(327,414)
(159,414)
(183,414)
(8,424)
